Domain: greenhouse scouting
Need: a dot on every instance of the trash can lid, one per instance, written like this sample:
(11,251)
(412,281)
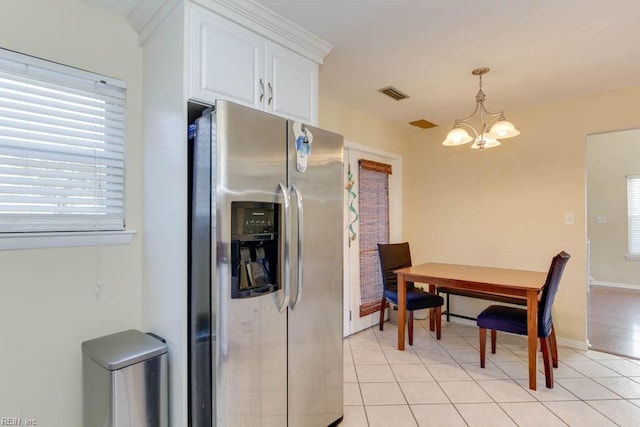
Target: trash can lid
(119,350)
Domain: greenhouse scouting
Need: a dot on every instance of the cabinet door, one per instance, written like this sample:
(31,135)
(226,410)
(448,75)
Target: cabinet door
(292,84)
(226,61)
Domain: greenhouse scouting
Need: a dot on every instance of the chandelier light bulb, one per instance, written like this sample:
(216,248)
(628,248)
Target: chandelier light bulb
(457,136)
(488,143)
(503,129)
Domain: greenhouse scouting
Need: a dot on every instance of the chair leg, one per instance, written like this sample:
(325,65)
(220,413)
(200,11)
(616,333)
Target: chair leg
(546,356)
(493,341)
(448,308)
(383,304)
(483,345)
(411,327)
(554,347)
(437,313)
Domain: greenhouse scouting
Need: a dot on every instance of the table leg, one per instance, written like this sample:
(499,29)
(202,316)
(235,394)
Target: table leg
(432,319)
(402,309)
(532,335)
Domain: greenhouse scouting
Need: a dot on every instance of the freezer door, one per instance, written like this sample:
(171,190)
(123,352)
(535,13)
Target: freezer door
(251,340)
(315,319)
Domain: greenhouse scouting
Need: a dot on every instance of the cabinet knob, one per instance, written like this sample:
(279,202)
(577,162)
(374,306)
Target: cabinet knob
(270,93)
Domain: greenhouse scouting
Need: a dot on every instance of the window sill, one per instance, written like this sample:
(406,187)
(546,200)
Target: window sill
(13,241)
(632,257)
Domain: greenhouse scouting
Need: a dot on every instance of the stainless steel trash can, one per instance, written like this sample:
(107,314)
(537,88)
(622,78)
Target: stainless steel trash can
(125,381)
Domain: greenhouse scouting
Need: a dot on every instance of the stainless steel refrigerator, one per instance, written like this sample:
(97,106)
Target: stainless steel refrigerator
(265,287)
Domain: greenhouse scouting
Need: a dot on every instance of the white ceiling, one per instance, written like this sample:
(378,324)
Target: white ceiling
(539,51)
(120,7)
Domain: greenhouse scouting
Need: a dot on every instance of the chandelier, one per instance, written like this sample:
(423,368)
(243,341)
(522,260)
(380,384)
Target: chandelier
(494,125)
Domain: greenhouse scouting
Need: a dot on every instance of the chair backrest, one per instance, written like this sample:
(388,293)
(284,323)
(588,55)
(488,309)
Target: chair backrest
(549,293)
(393,256)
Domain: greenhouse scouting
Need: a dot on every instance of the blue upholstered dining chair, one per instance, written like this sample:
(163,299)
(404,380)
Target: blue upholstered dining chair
(514,320)
(394,256)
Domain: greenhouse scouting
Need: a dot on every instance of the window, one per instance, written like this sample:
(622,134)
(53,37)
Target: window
(633,215)
(62,148)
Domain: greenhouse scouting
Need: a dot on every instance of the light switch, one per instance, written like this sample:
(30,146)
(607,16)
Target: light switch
(569,218)
(601,219)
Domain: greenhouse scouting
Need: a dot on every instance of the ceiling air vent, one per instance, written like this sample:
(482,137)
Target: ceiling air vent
(423,124)
(393,93)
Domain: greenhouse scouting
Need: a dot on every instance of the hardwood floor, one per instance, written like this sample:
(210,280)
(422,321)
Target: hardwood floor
(614,320)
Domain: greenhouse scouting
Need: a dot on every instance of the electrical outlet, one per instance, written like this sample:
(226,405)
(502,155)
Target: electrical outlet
(569,218)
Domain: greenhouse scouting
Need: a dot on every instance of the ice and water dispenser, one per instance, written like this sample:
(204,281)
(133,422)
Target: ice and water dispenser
(255,247)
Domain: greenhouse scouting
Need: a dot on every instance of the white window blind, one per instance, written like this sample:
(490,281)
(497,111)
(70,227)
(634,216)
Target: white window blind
(62,146)
(633,214)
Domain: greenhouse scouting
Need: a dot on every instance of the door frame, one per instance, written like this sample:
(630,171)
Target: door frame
(351,268)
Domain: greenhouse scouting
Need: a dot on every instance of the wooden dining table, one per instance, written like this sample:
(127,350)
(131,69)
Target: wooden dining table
(516,283)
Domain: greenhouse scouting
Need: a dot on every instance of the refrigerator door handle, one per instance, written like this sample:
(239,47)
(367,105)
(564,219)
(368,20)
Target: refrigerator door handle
(287,242)
(295,190)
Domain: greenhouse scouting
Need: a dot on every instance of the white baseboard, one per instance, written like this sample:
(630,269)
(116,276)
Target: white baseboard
(614,285)
(460,320)
(579,345)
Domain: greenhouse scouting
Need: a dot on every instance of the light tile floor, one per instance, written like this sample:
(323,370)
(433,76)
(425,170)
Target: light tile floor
(440,383)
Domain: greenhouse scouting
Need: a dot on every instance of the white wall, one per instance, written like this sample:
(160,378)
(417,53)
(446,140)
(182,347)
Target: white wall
(48,304)
(611,156)
(165,198)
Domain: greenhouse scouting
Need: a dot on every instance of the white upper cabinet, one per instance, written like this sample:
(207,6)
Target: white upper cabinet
(292,84)
(228,61)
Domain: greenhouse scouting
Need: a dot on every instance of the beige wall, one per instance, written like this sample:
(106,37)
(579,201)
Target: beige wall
(611,157)
(505,207)
(47,296)
(360,128)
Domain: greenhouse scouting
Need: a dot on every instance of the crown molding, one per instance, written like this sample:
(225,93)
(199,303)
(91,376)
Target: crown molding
(147,14)
(142,12)
(267,23)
